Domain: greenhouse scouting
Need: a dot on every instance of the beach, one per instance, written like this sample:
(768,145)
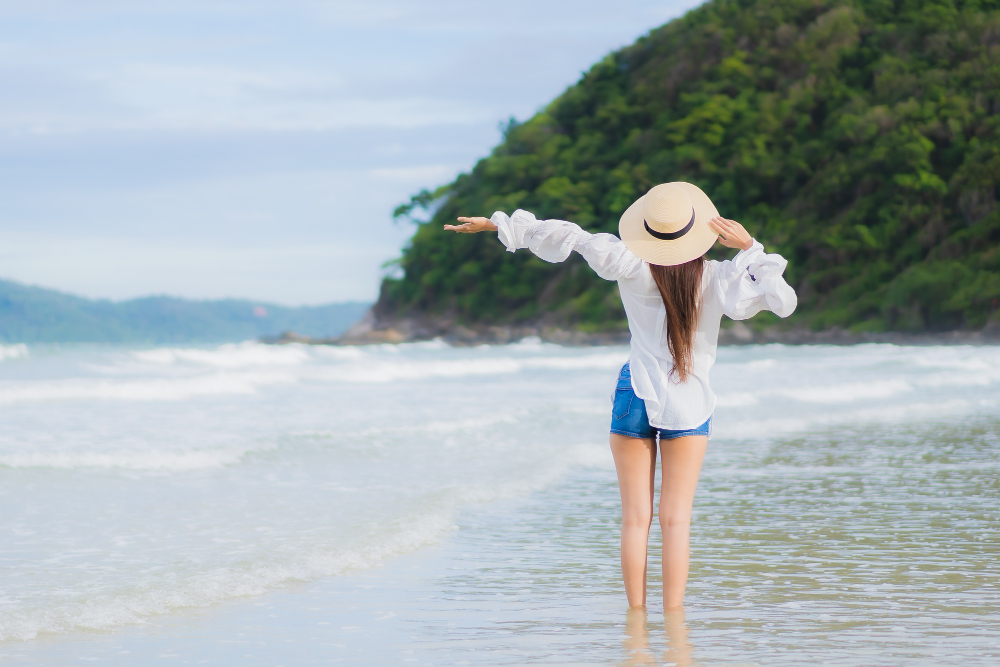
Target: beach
(427,504)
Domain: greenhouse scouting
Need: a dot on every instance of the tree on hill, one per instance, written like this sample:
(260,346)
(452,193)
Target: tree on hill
(859,138)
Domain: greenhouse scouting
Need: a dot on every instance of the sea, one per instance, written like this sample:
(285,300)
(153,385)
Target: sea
(250,504)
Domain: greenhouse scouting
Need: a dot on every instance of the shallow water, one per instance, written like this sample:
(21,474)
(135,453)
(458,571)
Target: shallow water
(181,499)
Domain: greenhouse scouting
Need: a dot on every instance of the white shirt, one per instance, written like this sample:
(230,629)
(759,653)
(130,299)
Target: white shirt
(740,288)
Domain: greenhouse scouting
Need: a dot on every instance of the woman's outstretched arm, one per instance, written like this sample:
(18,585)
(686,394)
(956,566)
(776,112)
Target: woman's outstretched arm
(554,240)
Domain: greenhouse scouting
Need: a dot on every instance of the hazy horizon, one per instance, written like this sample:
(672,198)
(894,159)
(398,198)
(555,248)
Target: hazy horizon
(256,151)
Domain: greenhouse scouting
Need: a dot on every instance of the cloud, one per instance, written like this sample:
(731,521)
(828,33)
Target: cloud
(182,144)
(215,99)
(219,65)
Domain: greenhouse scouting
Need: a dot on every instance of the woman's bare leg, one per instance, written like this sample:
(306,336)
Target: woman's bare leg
(682,459)
(635,460)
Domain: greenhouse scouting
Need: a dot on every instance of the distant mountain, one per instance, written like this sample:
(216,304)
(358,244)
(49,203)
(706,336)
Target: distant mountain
(858,138)
(38,315)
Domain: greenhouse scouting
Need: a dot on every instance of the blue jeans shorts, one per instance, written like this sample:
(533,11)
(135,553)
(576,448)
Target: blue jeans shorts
(628,414)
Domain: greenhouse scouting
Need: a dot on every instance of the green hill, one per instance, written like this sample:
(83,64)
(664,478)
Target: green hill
(858,138)
(37,315)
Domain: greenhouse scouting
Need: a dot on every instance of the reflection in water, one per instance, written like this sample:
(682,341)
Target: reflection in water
(678,651)
(637,638)
(636,642)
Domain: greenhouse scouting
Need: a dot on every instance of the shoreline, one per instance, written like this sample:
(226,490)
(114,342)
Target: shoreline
(369,331)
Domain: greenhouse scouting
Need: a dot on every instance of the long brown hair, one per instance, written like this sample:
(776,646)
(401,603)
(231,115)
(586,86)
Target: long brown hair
(680,288)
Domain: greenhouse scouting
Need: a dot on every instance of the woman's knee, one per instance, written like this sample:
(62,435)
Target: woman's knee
(674,518)
(639,517)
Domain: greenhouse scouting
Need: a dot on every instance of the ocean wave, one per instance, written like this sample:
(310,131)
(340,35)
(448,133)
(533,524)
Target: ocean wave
(768,428)
(610,360)
(752,365)
(438,427)
(428,521)
(130,606)
(965,378)
(379,371)
(247,367)
(736,399)
(851,392)
(286,368)
(845,393)
(131,459)
(230,355)
(957,358)
(391,371)
(154,389)
(374,363)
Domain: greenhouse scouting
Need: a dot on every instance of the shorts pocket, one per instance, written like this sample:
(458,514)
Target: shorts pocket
(623,403)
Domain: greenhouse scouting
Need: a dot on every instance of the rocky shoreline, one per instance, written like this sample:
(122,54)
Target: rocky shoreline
(370,331)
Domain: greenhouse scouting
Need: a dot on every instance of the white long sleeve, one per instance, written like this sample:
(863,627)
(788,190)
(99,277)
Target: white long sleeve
(554,240)
(752,282)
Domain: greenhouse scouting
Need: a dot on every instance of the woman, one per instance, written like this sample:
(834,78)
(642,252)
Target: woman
(674,300)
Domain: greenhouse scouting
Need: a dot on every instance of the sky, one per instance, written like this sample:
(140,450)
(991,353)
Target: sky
(251,149)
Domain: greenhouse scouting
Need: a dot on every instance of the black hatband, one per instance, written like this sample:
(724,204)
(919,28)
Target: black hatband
(671,236)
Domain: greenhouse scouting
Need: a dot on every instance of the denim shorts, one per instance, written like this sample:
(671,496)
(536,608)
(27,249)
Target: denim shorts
(628,414)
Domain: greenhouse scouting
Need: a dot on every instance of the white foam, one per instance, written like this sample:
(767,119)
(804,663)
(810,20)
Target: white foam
(128,459)
(610,361)
(959,358)
(188,379)
(434,344)
(230,355)
(529,342)
(133,605)
(155,389)
(338,353)
(736,399)
(383,371)
(768,428)
(445,426)
(427,522)
(745,366)
(845,393)
(966,378)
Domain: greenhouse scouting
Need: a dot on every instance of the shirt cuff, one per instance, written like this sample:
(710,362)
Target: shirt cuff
(766,266)
(744,258)
(504,231)
(514,231)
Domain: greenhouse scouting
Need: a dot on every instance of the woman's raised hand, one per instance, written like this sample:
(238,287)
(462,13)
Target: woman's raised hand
(731,233)
(472,225)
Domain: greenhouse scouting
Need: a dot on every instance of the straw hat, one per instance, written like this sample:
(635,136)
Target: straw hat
(669,224)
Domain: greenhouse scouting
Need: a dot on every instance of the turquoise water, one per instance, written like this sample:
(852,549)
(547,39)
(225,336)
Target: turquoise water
(431,505)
